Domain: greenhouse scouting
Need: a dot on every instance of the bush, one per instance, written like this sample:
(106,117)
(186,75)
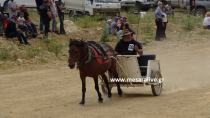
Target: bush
(89,21)
(133,19)
(191,22)
(146,24)
(4,54)
(105,35)
(32,52)
(53,46)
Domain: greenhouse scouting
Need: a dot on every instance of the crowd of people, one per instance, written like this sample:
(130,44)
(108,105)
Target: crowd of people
(49,10)
(127,45)
(15,21)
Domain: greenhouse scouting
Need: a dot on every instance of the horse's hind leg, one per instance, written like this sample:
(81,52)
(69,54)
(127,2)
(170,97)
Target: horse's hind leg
(119,89)
(114,74)
(100,99)
(107,85)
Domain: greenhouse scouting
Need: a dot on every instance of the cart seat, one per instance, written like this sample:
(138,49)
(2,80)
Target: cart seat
(143,63)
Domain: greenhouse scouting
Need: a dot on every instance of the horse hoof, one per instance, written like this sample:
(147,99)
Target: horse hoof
(109,95)
(82,103)
(120,93)
(100,100)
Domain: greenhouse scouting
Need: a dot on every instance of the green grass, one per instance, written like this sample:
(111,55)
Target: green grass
(191,22)
(133,18)
(89,21)
(4,54)
(53,46)
(32,52)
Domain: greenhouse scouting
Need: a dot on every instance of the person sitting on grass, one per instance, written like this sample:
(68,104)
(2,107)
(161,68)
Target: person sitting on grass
(206,21)
(25,22)
(12,31)
(128,46)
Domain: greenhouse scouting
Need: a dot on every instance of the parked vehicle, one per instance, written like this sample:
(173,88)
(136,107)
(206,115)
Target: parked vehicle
(92,6)
(27,3)
(143,5)
(201,6)
(198,6)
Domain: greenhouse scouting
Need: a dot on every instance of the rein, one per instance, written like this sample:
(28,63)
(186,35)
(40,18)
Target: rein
(87,59)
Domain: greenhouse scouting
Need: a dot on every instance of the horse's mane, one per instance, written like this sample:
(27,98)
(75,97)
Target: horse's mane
(75,42)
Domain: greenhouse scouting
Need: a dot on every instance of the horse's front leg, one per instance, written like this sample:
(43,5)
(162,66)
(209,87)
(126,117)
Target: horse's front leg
(83,89)
(100,99)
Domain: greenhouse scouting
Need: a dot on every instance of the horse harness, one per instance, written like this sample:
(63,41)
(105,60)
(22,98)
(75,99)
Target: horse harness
(94,51)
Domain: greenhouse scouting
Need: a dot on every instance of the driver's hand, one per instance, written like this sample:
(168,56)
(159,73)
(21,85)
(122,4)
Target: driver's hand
(139,51)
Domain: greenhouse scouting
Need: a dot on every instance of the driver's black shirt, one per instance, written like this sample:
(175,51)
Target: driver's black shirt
(127,48)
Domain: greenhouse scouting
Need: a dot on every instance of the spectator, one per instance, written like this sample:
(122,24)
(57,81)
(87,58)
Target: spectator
(46,15)
(12,7)
(120,25)
(114,25)
(29,25)
(159,15)
(5,6)
(119,28)
(41,25)
(12,31)
(1,23)
(61,8)
(54,11)
(206,21)
(165,19)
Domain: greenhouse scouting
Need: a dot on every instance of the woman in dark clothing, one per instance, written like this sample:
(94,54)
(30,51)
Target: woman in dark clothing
(44,13)
(11,31)
(38,4)
(60,8)
(159,22)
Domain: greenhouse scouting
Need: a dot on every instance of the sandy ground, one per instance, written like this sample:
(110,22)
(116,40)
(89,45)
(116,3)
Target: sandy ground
(55,92)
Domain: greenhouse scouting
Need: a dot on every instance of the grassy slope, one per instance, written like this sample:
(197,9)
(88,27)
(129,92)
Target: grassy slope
(181,27)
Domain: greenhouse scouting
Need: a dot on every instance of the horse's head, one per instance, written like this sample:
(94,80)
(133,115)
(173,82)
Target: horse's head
(76,52)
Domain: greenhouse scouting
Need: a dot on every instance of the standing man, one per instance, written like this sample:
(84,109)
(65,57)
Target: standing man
(45,13)
(159,15)
(38,4)
(61,8)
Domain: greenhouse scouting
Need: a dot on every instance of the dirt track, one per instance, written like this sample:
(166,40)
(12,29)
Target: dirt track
(56,92)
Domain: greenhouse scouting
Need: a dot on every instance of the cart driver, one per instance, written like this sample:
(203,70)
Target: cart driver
(128,46)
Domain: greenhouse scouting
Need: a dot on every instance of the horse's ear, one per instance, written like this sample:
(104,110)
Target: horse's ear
(70,40)
(82,43)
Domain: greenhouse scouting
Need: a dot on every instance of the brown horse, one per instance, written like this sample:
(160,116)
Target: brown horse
(91,64)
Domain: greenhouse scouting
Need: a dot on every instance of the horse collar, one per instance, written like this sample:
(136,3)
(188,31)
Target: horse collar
(82,63)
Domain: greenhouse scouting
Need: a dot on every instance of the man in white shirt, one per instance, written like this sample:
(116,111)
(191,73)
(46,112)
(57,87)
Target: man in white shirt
(206,21)
(12,7)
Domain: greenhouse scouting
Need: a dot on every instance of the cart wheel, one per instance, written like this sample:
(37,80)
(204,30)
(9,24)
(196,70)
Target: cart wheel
(157,88)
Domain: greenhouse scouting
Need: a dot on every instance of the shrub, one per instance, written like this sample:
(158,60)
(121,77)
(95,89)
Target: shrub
(191,22)
(105,35)
(4,54)
(89,21)
(32,52)
(133,19)
(53,46)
